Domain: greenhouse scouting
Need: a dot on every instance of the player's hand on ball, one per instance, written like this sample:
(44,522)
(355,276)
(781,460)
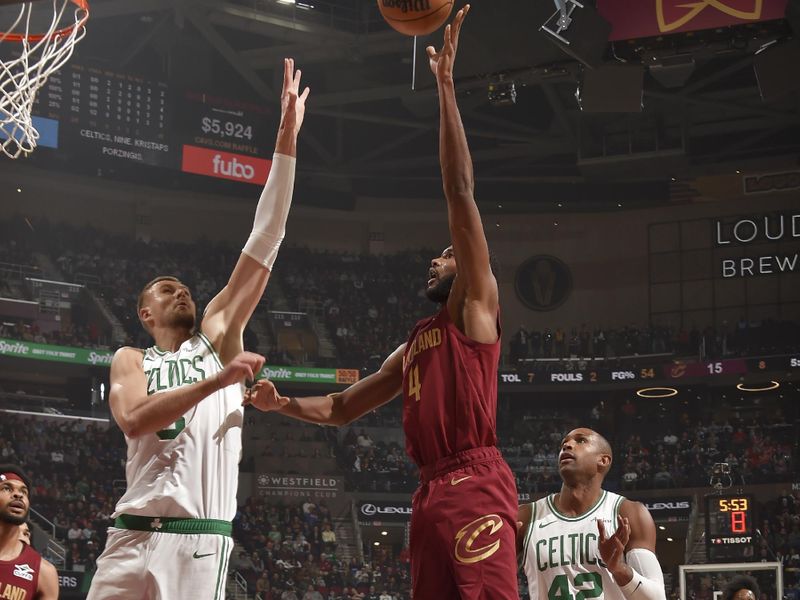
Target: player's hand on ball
(293,103)
(264,396)
(442,62)
(244,366)
(612,549)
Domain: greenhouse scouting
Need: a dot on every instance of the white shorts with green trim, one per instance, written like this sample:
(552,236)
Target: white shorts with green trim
(150,565)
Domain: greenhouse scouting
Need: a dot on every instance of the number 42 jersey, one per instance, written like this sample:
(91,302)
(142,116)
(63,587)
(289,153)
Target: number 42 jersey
(560,554)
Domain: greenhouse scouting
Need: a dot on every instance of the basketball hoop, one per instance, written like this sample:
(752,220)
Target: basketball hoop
(41,53)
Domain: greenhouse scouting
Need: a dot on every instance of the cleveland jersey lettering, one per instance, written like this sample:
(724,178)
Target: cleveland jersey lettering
(449,390)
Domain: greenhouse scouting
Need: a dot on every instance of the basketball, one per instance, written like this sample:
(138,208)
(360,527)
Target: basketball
(415,17)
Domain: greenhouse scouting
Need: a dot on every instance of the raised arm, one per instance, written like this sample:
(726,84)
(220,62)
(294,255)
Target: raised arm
(340,408)
(227,314)
(138,413)
(474,296)
(629,553)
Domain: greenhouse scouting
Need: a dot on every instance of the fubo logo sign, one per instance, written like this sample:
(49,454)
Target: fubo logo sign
(225,165)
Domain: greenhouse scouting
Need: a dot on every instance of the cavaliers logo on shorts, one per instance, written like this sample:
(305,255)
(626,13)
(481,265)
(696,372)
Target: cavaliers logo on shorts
(467,539)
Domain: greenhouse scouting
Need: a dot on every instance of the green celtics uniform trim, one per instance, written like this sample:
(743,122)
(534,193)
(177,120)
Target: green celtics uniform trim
(159,351)
(617,504)
(173,525)
(210,347)
(557,514)
(171,434)
(222,569)
(528,534)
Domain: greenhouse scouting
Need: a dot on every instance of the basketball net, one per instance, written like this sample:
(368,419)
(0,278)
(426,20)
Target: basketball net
(40,54)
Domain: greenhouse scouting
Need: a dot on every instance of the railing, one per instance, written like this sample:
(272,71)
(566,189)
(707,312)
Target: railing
(55,550)
(241,584)
(357,529)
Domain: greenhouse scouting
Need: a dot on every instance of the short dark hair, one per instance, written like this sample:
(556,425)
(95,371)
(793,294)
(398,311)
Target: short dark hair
(741,582)
(19,472)
(151,283)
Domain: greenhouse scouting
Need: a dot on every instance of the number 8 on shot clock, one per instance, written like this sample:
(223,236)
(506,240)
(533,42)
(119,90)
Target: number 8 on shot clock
(730,527)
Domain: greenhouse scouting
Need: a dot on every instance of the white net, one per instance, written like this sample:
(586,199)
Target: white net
(38,55)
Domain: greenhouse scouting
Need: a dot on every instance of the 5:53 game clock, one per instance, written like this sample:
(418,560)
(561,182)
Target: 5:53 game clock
(730,527)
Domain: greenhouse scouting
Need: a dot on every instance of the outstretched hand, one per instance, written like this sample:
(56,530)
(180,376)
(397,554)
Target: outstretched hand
(612,549)
(442,62)
(265,397)
(293,103)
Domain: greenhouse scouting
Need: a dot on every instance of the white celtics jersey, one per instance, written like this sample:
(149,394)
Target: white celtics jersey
(560,555)
(190,469)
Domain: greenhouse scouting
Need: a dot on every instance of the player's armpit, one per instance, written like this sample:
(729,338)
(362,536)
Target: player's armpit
(357,400)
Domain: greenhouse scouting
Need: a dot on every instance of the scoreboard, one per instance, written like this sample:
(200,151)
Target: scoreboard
(97,114)
(644,374)
(730,526)
(106,113)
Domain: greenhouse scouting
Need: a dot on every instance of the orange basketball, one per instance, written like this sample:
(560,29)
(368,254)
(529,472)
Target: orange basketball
(415,17)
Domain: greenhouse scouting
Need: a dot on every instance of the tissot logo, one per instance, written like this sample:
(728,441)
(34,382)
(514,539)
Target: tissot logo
(225,165)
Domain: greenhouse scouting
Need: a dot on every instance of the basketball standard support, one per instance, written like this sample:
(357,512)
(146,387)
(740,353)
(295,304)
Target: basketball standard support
(733,568)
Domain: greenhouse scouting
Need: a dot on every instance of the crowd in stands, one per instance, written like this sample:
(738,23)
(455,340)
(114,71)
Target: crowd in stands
(780,539)
(376,466)
(289,552)
(656,444)
(78,472)
(744,338)
(367,303)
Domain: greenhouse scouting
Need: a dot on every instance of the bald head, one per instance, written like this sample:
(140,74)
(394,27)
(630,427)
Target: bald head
(585,452)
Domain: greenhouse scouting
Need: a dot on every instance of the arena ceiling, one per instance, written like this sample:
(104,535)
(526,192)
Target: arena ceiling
(367,130)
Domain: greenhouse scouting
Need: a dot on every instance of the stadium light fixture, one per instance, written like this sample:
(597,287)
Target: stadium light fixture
(657,392)
(773,385)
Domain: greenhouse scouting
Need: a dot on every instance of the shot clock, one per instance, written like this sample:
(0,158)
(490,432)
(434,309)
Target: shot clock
(730,526)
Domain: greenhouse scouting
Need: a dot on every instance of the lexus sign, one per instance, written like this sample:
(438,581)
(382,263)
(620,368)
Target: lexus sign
(669,508)
(384,511)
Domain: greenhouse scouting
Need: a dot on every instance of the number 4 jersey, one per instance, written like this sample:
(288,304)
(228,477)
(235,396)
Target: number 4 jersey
(449,390)
(560,555)
(191,468)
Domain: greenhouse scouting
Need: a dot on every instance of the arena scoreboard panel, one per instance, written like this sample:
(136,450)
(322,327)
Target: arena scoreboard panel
(671,372)
(99,114)
(730,526)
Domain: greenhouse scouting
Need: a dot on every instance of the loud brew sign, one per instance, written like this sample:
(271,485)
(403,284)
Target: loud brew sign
(758,230)
(647,18)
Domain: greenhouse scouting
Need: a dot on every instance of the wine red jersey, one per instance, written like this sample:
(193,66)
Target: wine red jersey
(19,578)
(449,390)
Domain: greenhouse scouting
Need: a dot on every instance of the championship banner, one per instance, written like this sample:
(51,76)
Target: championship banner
(297,486)
(67,354)
(632,19)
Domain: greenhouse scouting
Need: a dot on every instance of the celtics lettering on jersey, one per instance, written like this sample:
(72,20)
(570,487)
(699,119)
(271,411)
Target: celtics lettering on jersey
(166,371)
(174,372)
(561,558)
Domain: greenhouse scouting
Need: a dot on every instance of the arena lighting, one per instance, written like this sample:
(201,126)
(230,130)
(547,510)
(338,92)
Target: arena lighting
(384,533)
(773,385)
(657,392)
